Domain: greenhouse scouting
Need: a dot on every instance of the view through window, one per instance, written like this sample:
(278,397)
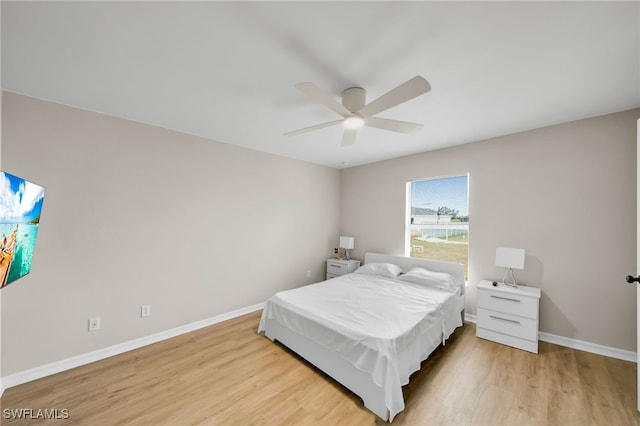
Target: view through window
(438,222)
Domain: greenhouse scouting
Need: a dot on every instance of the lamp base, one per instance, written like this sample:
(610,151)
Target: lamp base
(346,254)
(509,274)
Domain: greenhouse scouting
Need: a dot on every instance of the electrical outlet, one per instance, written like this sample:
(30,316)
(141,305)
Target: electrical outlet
(308,273)
(145,310)
(94,324)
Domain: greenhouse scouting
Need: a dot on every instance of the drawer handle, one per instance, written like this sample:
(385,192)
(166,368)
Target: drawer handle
(335,266)
(504,319)
(506,298)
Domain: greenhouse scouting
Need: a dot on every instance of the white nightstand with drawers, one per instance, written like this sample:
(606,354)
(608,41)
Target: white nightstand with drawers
(337,267)
(508,315)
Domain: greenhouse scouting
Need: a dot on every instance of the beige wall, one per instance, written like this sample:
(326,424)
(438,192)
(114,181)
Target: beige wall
(566,193)
(135,214)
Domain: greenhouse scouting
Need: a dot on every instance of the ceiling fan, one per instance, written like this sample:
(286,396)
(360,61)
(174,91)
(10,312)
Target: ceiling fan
(355,113)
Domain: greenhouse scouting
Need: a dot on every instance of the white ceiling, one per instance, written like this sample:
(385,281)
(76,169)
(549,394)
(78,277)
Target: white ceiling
(226,70)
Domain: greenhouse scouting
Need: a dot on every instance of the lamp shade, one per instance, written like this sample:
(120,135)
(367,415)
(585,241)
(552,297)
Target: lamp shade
(347,242)
(510,257)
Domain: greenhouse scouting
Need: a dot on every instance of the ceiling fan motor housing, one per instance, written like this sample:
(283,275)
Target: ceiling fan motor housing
(353,98)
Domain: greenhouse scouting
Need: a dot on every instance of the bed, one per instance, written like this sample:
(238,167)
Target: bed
(371,329)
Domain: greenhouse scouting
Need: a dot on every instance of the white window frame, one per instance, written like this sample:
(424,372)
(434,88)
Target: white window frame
(408,199)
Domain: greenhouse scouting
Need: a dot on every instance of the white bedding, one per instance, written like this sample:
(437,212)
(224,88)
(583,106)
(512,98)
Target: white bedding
(381,325)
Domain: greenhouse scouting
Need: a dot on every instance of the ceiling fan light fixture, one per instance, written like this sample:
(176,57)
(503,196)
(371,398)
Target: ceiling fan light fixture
(353,122)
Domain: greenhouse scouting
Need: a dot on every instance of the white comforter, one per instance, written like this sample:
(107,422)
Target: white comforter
(382,326)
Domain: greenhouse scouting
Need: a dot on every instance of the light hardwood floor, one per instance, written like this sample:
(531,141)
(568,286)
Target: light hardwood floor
(226,374)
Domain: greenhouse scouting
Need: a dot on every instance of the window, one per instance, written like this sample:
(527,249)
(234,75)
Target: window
(438,219)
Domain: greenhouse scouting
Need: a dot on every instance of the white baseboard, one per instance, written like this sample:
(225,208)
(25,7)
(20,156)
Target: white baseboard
(580,345)
(76,361)
(594,348)
(470,318)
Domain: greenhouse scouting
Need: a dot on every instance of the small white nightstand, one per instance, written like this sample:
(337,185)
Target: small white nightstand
(337,267)
(508,315)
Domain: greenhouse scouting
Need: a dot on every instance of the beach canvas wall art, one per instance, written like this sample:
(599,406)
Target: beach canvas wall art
(20,208)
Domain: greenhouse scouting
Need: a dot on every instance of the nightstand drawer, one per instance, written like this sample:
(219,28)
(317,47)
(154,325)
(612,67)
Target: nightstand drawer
(338,267)
(513,325)
(508,303)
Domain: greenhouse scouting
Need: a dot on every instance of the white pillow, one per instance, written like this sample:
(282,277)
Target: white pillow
(385,269)
(422,276)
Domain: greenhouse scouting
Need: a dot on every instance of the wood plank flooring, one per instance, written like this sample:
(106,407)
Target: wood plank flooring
(226,374)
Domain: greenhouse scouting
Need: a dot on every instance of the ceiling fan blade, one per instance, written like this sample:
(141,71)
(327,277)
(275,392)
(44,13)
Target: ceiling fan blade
(393,125)
(349,137)
(311,128)
(314,92)
(406,91)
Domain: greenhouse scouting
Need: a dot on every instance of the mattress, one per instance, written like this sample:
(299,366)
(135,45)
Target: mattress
(382,326)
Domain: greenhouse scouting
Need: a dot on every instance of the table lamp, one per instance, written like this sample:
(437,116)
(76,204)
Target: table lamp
(346,243)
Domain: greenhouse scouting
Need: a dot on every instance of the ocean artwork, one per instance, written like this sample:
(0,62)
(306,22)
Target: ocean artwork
(20,207)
